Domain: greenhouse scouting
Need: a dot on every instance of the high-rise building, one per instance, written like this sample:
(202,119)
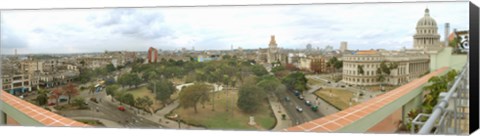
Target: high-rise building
(152,55)
(343,46)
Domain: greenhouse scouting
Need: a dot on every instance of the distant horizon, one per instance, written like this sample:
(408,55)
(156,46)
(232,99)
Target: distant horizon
(362,26)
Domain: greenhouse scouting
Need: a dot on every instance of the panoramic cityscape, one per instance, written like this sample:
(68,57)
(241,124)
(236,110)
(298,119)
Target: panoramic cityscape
(320,68)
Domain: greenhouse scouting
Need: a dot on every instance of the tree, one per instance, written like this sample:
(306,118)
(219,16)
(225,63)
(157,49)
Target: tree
(112,89)
(80,102)
(335,64)
(128,99)
(269,84)
(70,91)
(384,71)
(194,94)
(316,66)
(250,98)
(162,89)
(42,96)
(291,67)
(124,80)
(277,69)
(136,80)
(360,69)
(110,68)
(259,70)
(144,102)
(55,94)
(295,81)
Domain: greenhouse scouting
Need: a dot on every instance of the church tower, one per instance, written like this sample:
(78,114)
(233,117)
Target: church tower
(426,36)
(272,55)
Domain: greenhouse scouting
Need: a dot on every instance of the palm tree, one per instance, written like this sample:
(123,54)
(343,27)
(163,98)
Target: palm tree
(42,96)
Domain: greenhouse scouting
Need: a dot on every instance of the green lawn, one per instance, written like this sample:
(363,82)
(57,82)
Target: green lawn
(313,81)
(220,119)
(340,97)
(144,91)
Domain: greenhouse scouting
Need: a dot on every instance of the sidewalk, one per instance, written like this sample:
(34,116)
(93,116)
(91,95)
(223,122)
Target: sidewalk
(107,123)
(278,110)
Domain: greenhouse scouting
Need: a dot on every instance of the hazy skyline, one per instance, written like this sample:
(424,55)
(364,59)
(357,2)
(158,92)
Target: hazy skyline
(363,26)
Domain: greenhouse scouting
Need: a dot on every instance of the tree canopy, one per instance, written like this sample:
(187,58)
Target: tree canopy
(296,81)
(194,94)
(250,98)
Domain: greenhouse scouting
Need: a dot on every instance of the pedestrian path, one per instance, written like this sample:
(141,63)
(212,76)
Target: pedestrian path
(107,123)
(278,110)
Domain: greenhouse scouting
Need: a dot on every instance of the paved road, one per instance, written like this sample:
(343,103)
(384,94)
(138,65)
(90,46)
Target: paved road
(298,117)
(126,118)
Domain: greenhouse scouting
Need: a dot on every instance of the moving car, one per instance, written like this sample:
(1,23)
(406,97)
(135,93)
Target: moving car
(121,108)
(299,109)
(314,108)
(308,103)
(301,97)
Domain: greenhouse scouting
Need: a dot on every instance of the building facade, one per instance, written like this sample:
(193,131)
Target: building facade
(272,54)
(410,65)
(152,55)
(405,65)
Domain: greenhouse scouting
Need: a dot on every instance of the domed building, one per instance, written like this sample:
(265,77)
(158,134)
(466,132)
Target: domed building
(362,67)
(427,36)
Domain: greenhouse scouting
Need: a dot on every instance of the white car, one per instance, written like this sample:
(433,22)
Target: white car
(299,109)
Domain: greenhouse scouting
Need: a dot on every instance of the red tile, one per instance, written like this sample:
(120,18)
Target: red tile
(352,117)
(47,121)
(343,122)
(308,125)
(321,129)
(332,126)
(321,121)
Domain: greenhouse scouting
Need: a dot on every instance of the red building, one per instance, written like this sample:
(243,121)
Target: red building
(152,55)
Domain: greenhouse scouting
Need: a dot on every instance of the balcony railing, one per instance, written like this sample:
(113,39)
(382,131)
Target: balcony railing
(450,115)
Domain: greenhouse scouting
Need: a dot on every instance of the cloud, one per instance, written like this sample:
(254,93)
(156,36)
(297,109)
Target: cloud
(363,26)
(10,39)
(131,22)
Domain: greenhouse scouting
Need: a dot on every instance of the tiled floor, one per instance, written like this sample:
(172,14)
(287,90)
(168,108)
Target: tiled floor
(343,118)
(39,114)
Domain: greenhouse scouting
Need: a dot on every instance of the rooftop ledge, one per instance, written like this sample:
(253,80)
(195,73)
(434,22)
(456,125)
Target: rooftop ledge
(368,112)
(27,114)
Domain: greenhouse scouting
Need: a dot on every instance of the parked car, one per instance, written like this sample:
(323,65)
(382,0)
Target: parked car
(297,93)
(308,103)
(299,109)
(51,104)
(287,98)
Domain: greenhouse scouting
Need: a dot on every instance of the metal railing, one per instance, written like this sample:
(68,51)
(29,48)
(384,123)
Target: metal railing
(450,115)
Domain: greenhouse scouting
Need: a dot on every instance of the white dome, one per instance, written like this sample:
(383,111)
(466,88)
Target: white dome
(426,20)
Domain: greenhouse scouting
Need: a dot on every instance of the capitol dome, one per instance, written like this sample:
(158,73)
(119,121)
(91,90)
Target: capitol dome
(426,20)
(426,35)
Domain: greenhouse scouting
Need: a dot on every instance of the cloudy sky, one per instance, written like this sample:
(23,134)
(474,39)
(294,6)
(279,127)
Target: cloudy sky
(363,26)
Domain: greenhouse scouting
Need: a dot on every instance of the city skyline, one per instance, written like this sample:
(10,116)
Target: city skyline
(218,28)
